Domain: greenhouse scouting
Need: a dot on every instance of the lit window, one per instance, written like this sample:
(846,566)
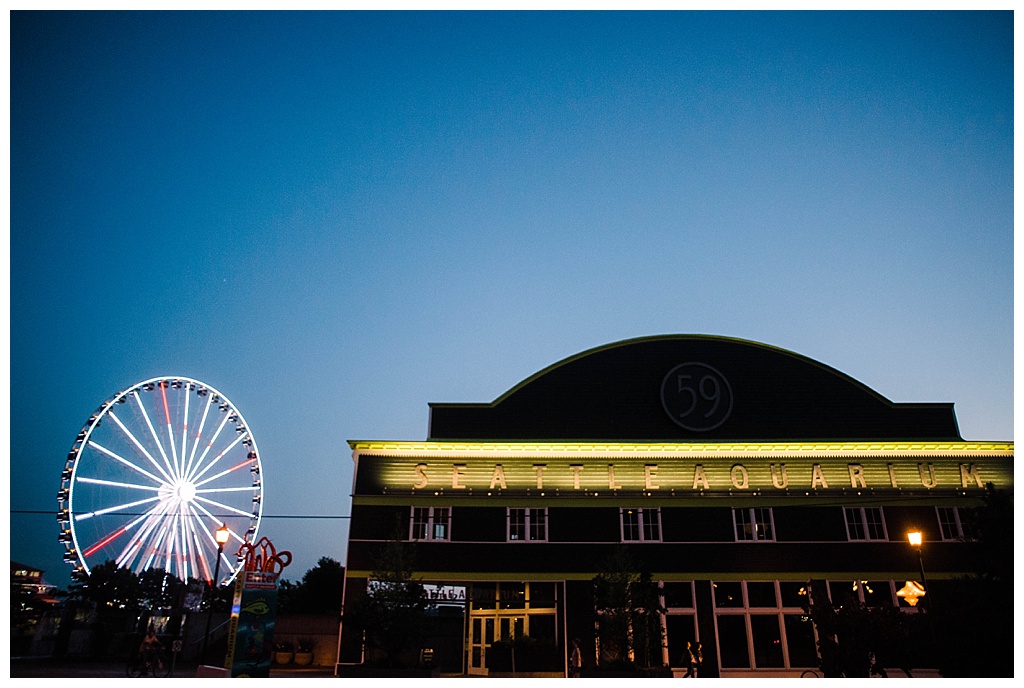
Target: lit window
(641,525)
(762,625)
(753,524)
(527,525)
(430,523)
(953,523)
(864,523)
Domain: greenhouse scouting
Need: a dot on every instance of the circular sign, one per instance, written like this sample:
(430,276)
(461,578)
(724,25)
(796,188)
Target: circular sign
(696,396)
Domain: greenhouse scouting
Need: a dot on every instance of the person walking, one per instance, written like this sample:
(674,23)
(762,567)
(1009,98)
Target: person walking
(695,659)
(575,659)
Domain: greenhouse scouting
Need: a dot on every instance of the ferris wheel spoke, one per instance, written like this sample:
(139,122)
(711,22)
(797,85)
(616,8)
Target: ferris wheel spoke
(105,541)
(170,539)
(126,462)
(221,505)
(199,435)
(138,444)
(220,456)
(113,483)
(152,430)
(212,538)
(170,428)
(112,509)
(187,544)
(184,431)
(136,546)
(217,490)
(204,541)
(207,449)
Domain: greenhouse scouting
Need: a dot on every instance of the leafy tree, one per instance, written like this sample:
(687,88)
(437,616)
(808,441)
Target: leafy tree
(976,623)
(107,586)
(159,589)
(392,615)
(319,591)
(856,641)
(627,605)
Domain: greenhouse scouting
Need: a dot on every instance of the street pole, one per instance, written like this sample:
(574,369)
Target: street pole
(916,539)
(222,537)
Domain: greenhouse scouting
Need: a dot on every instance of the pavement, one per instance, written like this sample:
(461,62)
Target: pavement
(85,668)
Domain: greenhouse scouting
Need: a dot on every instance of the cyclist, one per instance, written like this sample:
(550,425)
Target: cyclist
(149,651)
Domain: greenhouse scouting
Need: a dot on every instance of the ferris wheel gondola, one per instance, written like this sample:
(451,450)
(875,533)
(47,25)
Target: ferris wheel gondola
(153,474)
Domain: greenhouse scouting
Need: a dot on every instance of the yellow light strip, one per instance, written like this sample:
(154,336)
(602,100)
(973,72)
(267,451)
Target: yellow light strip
(659,449)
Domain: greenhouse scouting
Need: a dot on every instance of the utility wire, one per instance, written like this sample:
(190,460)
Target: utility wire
(54,513)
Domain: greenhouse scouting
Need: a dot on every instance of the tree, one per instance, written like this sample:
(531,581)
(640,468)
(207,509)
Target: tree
(319,591)
(107,586)
(392,615)
(854,640)
(628,612)
(974,620)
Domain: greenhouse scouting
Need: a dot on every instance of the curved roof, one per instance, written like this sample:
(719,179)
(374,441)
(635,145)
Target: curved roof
(692,388)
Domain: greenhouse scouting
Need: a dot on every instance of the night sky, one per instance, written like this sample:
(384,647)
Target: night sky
(337,218)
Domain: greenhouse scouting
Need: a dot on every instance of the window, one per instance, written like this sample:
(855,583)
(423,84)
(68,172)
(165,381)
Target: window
(864,523)
(953,523)
(761,625)
(876,593)
(527,525)
(430,523)
(641,525)
(753,524)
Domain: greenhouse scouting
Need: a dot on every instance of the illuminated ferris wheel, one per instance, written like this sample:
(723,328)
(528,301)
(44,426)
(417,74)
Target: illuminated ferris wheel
(153,474)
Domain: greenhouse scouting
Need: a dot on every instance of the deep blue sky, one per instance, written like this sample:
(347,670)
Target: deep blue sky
(337,218)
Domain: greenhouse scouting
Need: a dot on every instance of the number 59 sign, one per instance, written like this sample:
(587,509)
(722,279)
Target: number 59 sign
(696,396)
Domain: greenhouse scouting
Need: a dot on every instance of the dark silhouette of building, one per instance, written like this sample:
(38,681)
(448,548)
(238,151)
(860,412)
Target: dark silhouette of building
(738,475)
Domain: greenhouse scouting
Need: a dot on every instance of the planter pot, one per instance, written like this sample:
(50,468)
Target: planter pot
(303,658)
(283,657)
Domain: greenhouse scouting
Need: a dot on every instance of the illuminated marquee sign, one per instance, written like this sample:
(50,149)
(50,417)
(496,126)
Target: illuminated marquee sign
(723,468)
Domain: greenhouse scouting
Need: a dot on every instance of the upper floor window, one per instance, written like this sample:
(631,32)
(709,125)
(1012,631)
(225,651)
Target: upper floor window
(641,525)
(753,524)
(953,523)
(430,523)
(527,525)
(864,523)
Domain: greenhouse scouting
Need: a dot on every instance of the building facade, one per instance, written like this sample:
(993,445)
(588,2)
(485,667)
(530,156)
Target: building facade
(736,475)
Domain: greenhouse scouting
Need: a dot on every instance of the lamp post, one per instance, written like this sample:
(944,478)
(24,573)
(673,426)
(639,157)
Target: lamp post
(916,539)
(222,537)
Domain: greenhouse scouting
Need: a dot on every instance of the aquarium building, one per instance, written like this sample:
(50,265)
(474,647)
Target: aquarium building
(736,474)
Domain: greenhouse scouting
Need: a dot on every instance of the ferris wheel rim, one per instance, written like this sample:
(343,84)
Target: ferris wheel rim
(186,482)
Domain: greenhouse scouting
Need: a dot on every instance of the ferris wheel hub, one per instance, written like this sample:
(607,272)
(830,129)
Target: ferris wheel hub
(185,491)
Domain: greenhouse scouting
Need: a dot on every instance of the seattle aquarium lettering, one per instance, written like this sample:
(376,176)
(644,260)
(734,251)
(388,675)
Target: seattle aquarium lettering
(696,477)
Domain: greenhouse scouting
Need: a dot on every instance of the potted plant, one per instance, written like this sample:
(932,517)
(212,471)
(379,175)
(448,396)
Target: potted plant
(304,651)
(283,652)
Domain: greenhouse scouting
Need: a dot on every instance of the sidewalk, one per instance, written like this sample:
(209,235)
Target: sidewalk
(49,667)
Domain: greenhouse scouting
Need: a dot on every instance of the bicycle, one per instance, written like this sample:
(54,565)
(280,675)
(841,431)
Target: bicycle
(158,665)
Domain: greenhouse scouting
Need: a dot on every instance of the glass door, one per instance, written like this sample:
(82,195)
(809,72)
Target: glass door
(481,635)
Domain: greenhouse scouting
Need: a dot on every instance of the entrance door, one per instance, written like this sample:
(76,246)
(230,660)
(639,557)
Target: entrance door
(485,630)
(481,635)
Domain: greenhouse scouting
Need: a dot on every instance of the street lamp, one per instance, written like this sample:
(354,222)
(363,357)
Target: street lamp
(222,537)
(916,539)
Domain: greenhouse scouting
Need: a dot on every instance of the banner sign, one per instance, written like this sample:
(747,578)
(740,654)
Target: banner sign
(254,611)
(251,637)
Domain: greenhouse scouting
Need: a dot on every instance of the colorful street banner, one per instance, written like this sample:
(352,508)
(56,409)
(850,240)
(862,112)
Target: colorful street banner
(251,635)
